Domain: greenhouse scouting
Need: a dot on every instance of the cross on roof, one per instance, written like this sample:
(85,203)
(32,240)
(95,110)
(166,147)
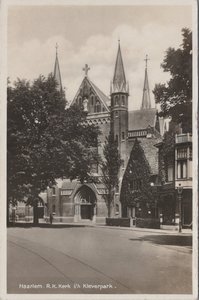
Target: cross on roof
(86,69)
(146,60)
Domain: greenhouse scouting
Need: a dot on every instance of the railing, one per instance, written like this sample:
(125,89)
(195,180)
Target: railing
(183,138)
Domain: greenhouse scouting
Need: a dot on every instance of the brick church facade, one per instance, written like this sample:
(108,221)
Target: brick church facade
(75,202)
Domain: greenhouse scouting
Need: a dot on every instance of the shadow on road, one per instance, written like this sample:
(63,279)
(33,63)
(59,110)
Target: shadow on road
(170,240)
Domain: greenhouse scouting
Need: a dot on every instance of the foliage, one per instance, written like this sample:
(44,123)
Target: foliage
(175,97)
(110,167)
(136,189)
(44,140)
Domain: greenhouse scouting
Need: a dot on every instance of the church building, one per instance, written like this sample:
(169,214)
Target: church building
(72,201)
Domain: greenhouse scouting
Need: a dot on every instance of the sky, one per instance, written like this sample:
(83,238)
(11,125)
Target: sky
(89,35)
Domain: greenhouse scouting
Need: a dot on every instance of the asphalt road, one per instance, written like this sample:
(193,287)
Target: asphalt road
(94,260)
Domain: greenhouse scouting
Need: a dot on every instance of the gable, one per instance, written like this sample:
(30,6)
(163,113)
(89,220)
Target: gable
(97,101)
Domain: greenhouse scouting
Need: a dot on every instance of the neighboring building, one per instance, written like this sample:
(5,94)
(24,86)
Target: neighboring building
(174,190)
(73,201)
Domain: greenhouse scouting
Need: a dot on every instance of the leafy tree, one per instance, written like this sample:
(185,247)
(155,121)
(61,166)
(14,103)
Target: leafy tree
(44,140)
(110,167)
(175,97)
(136,189)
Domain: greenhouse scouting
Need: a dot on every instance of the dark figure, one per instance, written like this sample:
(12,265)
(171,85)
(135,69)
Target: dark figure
(51,218)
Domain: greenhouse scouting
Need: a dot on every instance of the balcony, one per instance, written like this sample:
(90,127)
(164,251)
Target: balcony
(183,138)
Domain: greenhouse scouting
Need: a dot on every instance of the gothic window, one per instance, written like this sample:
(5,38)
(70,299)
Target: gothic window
(123,135)
(116,114)
(80,100)
(123,100)
(116,100)
(117,209)
(92,100)
(97,106)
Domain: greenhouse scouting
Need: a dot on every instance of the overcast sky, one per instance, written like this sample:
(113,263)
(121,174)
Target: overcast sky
(89,34)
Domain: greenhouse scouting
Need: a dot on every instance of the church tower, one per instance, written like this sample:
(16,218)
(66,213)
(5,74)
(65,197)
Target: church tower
(57,73)
(119,107)
(146,101)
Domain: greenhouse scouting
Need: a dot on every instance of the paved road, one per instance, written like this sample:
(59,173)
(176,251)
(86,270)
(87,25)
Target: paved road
(97,260)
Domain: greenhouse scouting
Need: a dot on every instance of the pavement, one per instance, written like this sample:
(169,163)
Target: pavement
(82,259)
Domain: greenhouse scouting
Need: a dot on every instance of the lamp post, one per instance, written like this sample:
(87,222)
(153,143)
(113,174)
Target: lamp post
(180,190)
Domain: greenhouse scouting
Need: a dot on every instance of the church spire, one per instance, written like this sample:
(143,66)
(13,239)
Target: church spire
(57,73)
(119,83)
(146,101)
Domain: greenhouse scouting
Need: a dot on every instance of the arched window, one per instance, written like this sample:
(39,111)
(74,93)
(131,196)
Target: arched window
(80,100)
(117,209)
(123,100)
(116,100)
(97,106)
(92,100)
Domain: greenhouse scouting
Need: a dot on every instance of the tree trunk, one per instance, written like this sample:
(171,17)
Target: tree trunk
(35,213)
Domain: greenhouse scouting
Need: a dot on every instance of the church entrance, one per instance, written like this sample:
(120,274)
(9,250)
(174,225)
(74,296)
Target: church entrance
(85,204)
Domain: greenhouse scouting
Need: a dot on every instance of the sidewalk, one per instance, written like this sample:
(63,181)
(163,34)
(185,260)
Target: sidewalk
(90,224)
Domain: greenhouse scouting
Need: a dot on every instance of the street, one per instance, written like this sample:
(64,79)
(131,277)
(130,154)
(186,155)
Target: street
(95,260)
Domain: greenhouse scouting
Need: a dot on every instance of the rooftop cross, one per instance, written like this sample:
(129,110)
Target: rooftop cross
(146,60)
(86,69)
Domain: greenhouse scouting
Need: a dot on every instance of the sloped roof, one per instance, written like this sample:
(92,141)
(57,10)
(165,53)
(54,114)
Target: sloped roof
(142,118)
(69,185)
(57,73)
(150,151)
(146,101)
(101,95)
(119,75)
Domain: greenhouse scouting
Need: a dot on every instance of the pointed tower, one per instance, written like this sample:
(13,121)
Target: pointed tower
(119,107)
(57,73)
(146,101)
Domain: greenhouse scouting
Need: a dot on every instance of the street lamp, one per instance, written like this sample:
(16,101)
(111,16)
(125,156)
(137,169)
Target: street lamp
(180,190)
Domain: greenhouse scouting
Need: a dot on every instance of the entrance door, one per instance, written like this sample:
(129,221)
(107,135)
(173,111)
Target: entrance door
(86,200)
(187,214)
(86,211)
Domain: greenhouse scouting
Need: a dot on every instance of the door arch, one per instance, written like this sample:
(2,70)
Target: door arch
(85,203)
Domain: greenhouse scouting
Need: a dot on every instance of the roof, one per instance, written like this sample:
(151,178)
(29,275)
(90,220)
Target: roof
(146,101)
(119,75)
(141,119)
(102,97)
(68,184)
(150,150)
(119,83)
(57,73)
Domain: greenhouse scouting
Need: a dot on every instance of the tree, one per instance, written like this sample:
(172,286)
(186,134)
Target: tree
(110,167)
(175,97)
(136,189)
(45,141)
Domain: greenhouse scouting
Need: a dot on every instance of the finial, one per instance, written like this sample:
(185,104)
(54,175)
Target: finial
(146,60)
(86,69)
